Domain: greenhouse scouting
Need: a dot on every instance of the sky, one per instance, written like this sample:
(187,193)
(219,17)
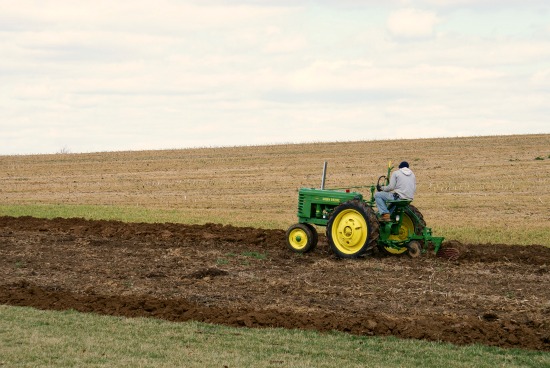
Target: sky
(92,76)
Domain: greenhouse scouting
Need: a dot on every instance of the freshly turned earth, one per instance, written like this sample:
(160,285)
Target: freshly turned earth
(495,295)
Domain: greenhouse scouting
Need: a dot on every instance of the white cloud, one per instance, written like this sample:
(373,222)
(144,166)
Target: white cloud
(541,78)
(412,23)
(285,45)
(137,16)
(128,75)
(364,75)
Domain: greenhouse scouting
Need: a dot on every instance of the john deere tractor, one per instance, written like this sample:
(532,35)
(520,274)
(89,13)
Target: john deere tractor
(353,227)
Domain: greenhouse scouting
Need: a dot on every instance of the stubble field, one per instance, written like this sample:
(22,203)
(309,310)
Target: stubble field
(226,261)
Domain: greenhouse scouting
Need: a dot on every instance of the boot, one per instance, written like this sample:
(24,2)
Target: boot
(385,217)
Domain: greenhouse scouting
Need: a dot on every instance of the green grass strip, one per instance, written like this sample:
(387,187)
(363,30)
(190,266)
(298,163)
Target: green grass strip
(36,338)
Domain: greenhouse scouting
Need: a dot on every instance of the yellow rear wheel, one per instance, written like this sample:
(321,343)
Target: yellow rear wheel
(406,229)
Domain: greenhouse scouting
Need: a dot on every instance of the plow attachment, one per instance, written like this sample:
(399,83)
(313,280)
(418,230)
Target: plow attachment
(440,251)
(451,254)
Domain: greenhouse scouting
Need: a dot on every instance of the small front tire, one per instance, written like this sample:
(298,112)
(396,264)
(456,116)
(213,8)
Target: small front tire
(301,238)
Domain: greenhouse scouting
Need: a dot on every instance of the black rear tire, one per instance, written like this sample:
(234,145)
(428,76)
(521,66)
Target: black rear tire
(421,224)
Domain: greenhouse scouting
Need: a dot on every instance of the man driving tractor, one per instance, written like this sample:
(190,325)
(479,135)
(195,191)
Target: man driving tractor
(402,186)
(352,225)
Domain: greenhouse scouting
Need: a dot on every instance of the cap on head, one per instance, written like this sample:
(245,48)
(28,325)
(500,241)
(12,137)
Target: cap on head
(403,164)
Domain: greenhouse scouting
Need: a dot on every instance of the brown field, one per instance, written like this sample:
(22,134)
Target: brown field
(471,190)
(493,295)
(485,189)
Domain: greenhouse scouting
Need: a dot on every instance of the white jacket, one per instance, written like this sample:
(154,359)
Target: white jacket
(402,182)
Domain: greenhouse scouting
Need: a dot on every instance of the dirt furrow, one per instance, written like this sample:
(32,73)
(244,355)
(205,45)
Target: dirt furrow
(493,294)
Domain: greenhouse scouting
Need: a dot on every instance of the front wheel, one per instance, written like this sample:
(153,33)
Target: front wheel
(301,238)
(351,229)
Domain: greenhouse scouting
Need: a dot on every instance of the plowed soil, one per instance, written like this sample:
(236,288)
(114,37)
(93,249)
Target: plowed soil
(495,295)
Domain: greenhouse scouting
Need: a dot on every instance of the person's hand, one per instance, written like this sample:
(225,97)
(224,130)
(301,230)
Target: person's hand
(378,187)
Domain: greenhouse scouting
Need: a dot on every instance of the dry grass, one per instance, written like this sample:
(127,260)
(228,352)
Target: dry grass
(476,189)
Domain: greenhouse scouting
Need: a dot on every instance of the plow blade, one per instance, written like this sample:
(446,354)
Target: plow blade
(451,254)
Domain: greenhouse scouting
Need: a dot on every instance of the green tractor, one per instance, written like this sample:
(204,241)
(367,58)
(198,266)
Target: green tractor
(353,227)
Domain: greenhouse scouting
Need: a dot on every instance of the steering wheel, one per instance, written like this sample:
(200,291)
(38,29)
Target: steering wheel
(383,181)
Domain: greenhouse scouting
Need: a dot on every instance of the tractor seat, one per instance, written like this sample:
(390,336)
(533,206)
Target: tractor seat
(399,203)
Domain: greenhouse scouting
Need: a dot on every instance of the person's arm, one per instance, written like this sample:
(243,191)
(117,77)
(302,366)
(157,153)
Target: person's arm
(391,185)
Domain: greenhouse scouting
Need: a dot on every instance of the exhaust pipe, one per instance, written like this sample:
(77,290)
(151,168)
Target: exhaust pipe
(324,176)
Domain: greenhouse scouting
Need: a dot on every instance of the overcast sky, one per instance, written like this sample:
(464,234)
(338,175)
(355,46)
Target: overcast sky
(105,75)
